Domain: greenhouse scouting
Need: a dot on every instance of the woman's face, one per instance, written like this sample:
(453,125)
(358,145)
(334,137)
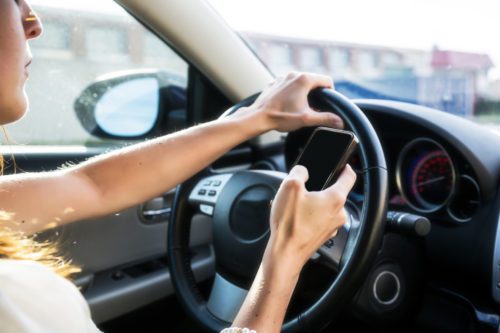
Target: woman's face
(18,24)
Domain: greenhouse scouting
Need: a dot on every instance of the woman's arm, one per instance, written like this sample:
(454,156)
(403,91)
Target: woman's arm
(132,175)
(300,222)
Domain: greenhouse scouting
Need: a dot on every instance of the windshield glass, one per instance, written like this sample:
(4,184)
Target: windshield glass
(438,53)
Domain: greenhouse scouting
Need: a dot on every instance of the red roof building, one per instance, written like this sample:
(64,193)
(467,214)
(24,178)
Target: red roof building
(442,59)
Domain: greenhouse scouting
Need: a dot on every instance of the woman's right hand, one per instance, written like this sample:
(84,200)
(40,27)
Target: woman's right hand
(301,221)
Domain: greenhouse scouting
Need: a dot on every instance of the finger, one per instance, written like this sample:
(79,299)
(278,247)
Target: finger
(294,181)
(315,118)
(345,182)
(317,80)
(300,173)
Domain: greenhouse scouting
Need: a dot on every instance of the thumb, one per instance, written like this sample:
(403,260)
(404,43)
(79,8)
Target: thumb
(293,182)
(345,182)
(299,173)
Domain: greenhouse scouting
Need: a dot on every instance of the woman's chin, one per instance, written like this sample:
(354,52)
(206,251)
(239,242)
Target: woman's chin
(14,110)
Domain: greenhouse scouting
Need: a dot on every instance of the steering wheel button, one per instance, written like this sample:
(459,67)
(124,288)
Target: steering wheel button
(202,192)
(216,183)
(212,193)
(207,183)
(206,209)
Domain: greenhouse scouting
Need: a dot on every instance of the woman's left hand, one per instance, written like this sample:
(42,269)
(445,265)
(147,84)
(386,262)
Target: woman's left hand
(283,105)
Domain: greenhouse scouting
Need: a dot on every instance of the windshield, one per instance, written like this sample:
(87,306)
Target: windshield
(438,53)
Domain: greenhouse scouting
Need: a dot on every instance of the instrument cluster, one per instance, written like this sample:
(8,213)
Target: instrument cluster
(428,181)
(425,177)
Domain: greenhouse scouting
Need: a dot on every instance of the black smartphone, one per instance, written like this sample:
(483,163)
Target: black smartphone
(325,155)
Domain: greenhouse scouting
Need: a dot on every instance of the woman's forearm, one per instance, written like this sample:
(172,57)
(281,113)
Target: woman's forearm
(265,305)
(129,176)
(152,167)
(120,179)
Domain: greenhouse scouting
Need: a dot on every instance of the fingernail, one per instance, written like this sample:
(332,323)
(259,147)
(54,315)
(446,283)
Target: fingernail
(298,167)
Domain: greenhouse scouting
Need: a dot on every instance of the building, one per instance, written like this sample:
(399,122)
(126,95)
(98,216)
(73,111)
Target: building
(444,79)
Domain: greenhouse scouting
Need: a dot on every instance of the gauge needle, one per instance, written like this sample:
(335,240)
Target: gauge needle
(432,180)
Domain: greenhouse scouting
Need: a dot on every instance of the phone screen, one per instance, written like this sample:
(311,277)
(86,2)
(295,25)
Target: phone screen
(322,155)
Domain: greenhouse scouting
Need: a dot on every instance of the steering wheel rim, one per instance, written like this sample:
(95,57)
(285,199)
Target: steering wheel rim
(356,261)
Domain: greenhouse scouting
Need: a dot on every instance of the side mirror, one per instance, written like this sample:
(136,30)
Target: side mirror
(132,105)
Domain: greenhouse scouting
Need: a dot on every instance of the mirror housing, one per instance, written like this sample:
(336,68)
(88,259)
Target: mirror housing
(133,105)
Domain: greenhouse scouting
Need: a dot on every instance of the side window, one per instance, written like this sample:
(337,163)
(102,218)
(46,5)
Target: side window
(80,46)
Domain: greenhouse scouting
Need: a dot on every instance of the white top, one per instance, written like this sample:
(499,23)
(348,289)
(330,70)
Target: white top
(33,299)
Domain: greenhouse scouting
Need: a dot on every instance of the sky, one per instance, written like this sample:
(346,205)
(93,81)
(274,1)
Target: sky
(462,25)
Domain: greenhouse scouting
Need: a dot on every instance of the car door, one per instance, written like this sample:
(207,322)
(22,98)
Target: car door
(122,255)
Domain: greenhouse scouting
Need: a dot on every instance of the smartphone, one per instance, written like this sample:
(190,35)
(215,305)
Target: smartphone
(325,155)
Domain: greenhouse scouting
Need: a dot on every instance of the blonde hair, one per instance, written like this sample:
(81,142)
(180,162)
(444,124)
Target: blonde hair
(18,246)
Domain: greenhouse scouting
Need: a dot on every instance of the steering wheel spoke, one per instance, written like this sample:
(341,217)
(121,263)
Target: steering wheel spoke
(225,299)
(332,251)
(205,193)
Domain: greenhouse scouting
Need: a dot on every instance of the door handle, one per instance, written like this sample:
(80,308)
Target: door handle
(157,209)
(156,212)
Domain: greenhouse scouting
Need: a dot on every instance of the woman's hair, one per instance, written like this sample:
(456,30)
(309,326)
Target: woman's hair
(18,246)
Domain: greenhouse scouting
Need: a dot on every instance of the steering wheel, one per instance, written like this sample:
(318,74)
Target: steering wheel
(239,205)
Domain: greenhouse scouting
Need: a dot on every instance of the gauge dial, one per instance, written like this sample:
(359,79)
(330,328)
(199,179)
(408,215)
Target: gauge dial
(465,201)
(425,175)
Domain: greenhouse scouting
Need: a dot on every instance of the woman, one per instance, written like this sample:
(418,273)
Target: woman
(34,299)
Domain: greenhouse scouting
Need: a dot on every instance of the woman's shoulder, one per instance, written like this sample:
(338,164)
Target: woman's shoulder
(33,276)
(10,265)
(34,299)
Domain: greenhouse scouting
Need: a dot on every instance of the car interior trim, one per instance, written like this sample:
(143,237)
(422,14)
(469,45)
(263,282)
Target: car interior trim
(110,297)
(225,299)
(486,318)
(495,288)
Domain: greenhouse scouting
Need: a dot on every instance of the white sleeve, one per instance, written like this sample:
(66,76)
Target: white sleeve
(35,300)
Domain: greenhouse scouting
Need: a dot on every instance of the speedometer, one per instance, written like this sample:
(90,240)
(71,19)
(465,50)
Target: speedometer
(425,175)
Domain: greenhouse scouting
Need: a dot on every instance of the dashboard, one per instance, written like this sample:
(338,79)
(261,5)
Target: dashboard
(427,174)
(447,170)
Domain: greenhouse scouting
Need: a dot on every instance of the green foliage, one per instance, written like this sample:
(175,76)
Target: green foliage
(486,106)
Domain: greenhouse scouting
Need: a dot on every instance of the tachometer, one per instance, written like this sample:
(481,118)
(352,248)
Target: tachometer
(425,175)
